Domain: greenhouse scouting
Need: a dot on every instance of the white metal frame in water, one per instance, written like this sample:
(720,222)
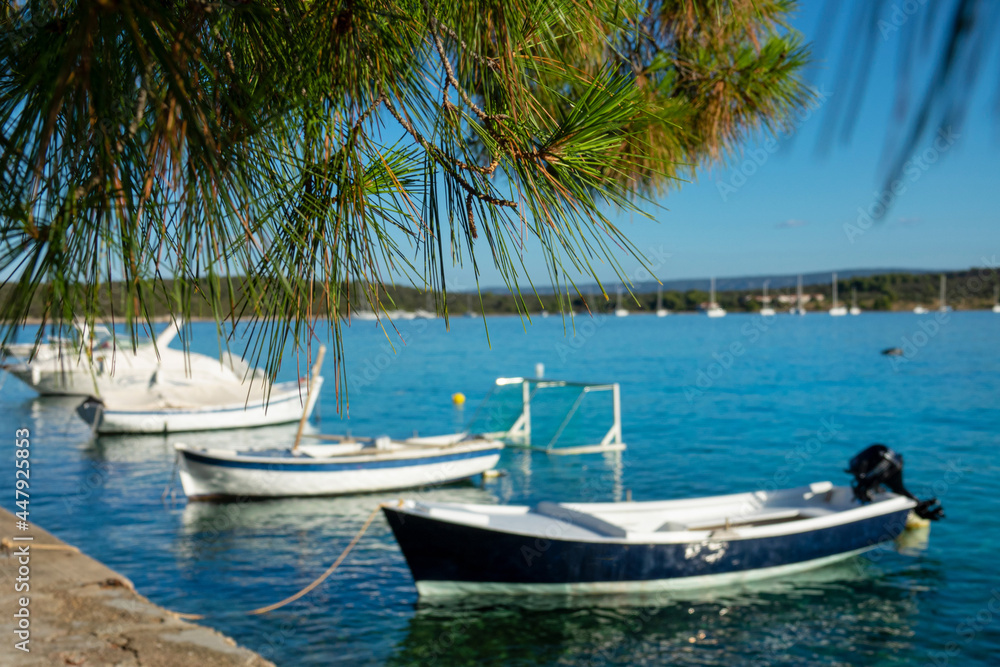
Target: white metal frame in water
(519,435)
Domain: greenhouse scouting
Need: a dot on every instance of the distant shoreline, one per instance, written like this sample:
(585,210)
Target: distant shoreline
(974,289)
(34,321)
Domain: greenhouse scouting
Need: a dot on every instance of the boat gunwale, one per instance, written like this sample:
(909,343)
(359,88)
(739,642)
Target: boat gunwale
(885,503)
(228,497)
(218,457)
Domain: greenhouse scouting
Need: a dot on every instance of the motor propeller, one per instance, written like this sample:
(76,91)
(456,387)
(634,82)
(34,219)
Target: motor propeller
(877,467)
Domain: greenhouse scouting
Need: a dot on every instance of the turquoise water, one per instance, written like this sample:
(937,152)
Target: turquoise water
(709,406)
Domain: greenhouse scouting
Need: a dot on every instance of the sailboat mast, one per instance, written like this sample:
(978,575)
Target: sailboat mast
(798,295)
(943,283)
(835,290)
(711,298)
(659,298)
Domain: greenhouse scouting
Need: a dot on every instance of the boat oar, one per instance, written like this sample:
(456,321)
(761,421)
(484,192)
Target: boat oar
(309,390)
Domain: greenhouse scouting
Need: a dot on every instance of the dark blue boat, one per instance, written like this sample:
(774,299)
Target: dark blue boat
(639,546)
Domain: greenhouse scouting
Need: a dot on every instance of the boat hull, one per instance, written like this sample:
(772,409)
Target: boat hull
(284,406)
(207,477)
(453,559)
(58,382)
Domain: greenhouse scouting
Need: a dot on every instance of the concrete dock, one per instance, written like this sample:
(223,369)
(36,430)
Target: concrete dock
(82,613)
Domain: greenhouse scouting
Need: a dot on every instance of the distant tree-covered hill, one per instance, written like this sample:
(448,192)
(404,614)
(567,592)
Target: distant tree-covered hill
(971,289)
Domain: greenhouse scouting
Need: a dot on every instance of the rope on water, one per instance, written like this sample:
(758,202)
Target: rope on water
(168,489)
(316,582)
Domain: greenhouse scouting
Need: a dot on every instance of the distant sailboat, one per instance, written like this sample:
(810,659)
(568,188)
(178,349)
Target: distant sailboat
(996,299)
(766,310)
(660,310)
(619,311)
(835,310)
(854,302)
(798,309)
(943,307)
(713,309)
(920,310)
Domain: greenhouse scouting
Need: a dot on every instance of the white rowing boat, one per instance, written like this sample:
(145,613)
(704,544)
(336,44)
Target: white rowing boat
(192,404)
(349,466)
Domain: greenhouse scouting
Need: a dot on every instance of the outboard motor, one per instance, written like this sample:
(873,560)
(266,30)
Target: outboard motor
(877,467)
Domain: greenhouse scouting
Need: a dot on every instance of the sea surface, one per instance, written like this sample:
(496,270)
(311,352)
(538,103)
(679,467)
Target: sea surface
(708,407)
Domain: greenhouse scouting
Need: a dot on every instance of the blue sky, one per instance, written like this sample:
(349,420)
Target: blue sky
(789,216)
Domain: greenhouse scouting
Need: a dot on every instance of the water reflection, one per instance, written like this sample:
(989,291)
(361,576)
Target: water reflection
(212,530)
(803,619)
(595,477)
(51,417)
(143,447)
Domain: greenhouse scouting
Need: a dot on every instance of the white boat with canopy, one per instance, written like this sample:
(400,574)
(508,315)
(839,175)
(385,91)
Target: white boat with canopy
(93,362)
(170,402)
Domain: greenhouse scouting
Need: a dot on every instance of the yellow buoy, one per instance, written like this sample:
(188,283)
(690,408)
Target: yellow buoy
(458,398)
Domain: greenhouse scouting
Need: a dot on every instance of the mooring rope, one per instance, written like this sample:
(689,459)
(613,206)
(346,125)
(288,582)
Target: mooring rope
(7,545)
(170,484)
(316,582)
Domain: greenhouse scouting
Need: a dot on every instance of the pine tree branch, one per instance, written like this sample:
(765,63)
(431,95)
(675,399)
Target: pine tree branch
(446,163)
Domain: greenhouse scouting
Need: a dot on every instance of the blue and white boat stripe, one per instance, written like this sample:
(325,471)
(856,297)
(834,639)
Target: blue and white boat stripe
(284,465)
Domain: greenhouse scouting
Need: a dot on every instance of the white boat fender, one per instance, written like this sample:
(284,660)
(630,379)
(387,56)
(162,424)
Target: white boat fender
(383,442)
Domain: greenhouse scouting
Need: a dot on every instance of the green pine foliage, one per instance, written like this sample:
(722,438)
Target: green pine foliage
(281,161)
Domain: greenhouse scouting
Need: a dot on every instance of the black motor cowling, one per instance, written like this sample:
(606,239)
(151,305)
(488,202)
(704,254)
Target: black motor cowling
(877,467)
